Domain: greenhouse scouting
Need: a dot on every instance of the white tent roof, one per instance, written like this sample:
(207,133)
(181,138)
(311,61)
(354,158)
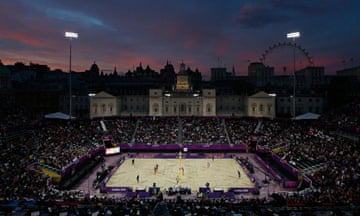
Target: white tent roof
(58,115)
(307,116)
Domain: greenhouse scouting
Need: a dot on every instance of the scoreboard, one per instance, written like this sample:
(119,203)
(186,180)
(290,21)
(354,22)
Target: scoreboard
(110,146)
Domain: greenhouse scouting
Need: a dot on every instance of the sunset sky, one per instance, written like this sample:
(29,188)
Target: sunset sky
(201,33)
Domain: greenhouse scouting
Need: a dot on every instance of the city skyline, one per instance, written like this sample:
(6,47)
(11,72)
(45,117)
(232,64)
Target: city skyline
(202,34)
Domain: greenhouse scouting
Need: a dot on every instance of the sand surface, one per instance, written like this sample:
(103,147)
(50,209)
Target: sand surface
(219,173)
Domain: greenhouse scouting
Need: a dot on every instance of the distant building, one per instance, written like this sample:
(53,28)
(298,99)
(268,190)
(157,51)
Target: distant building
(145,92)
(220,73)
(261,104)
(353,72)
(259,74)
(311,77)
(5,78)
(303,104)
(183,99)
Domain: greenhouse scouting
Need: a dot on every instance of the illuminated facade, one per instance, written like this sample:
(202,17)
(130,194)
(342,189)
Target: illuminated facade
(183,99)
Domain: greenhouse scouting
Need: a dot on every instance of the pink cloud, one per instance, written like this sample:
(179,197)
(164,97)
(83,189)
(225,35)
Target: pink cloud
(222,47)
(190,43)
(21,38)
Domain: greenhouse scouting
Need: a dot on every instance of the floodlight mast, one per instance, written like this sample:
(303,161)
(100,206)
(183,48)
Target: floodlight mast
(293,36)
(70,36)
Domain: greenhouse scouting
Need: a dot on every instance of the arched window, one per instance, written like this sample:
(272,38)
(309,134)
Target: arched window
(103,107)
(261,107)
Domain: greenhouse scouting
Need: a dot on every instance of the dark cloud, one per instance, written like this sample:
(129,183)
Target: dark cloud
(259,15)
(314,7)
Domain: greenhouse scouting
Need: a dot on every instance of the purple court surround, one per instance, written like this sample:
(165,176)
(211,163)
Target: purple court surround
(201,150)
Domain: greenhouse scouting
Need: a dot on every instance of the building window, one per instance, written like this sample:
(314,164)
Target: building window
(110,108)
(103,107)
(269,108)
(182,108)
(253,107)
(208,108)
(261,108)
(156,108)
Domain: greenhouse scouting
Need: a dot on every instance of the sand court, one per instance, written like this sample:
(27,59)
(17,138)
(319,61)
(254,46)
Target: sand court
(174,172)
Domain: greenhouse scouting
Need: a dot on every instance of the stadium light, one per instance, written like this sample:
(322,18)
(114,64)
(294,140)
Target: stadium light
(293,36)
(70,36)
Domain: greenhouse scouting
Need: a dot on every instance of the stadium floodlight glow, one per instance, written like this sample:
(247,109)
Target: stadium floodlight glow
(71,35)
(293,35)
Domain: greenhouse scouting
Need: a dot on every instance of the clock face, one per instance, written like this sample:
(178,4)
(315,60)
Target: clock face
(182,83)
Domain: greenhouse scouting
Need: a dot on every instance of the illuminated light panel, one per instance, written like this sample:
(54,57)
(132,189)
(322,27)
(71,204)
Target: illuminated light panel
(71,35)
(293,35)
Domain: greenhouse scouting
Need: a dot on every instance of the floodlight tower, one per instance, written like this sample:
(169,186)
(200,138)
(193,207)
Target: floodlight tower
(293,36)
(70,36)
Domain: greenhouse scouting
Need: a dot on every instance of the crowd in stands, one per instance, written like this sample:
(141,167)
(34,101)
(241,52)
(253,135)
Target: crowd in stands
(60,143)
(13,118)
(240,129)
(122,130)
(153,131)
(204,131)
(305,144)
(346,118)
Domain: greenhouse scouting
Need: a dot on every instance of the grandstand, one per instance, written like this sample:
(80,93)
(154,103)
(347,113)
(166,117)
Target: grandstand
(53,167)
